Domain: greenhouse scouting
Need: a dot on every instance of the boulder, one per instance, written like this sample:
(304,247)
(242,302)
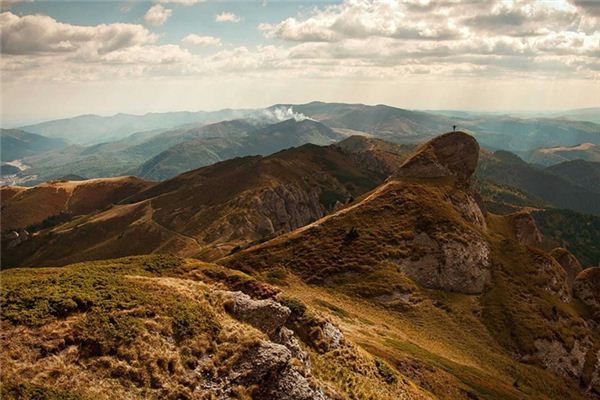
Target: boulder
(526,229)
(586,288)
(266,315)
(453,154)
(569,263)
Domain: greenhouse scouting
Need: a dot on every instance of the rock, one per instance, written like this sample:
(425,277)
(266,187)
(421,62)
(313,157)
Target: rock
(268,365)
(457,266)
(453,154)
(586,288)
(526,229)
(287,338)
(333,335)
(555,356)
(553,275)
(266,315)
(569,263)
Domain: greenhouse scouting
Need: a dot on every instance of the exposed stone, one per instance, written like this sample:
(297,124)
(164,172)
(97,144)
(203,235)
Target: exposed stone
(468,204)
(452,154)
(569,263)
(556,357)
(268,365)
(553,275)
(454,266)
(266,315)
(287,338)
(586,288)
(333,335)
(526,229)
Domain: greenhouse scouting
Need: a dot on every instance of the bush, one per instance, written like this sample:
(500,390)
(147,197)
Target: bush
(101,333)
(191,318)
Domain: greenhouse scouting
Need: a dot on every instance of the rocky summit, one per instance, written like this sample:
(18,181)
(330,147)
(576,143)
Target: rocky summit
(453,154)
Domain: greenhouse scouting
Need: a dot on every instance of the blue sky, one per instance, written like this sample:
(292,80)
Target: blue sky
(65,58)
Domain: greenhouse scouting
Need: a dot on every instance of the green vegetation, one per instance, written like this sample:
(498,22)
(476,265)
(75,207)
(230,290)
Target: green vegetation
(26,391)
(580,233)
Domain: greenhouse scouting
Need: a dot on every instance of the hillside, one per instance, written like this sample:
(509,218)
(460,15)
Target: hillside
(211,211)
(556,155)
(61,200)
(584,173)
(448,277)
(245,140)
(506,168)
(16,144)
(90,129)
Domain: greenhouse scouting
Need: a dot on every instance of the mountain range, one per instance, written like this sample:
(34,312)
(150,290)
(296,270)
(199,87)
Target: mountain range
(361,269)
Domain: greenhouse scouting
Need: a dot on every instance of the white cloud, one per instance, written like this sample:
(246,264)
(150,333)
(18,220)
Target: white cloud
(198,40)
(227,17)
(33,34)
(157,15)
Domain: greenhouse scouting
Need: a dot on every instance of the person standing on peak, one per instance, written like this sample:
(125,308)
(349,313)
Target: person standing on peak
(453,128)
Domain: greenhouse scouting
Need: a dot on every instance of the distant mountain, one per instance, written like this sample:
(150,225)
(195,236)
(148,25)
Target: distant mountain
(245,140)
(16,144)
(555,155)
(505,168)
(123,156)
(89,129)
(583,173)
(525,135)
(493,130)
(390,123)
(582,114)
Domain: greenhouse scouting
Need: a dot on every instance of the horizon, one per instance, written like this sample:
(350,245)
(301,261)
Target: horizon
(63,59)
(510,112)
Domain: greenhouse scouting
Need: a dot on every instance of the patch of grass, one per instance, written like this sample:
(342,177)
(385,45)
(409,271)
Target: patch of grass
(100,333)
(27,391)
(192,318)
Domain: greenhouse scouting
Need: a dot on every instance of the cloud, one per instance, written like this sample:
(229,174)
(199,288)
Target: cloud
(157,15)
(198,40)
(227,17)
(35,34)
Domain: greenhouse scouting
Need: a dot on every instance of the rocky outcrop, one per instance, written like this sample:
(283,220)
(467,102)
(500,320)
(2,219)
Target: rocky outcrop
(555,356)
(526,229)
(270,368)
(453,154)
(586,288)
(458,266)
(569,263)
(267,315)
(270,365)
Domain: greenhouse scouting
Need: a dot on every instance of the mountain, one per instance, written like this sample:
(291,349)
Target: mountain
(448,276)
(247,140)
(390,123)
(89,129)
(411,290)
(584,173)
(508,169)
(211,211)
(583,114)
(123,156)
(16,144)
(56,201)
(555,155)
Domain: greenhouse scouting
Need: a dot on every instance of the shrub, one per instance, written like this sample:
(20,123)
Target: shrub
(100,333)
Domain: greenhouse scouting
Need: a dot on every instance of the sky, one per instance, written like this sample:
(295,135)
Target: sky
(65,58)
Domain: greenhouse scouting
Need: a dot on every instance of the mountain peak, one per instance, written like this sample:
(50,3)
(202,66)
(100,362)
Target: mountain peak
(451,154)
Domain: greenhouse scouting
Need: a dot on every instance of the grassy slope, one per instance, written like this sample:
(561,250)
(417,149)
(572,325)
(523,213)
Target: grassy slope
(147,327)
(457,346)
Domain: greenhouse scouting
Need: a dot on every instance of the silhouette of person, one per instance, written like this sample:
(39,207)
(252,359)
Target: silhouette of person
(453,128)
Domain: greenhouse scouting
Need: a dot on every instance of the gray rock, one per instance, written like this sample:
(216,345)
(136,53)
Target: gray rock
(266,315)
(287,338)
(452,265)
